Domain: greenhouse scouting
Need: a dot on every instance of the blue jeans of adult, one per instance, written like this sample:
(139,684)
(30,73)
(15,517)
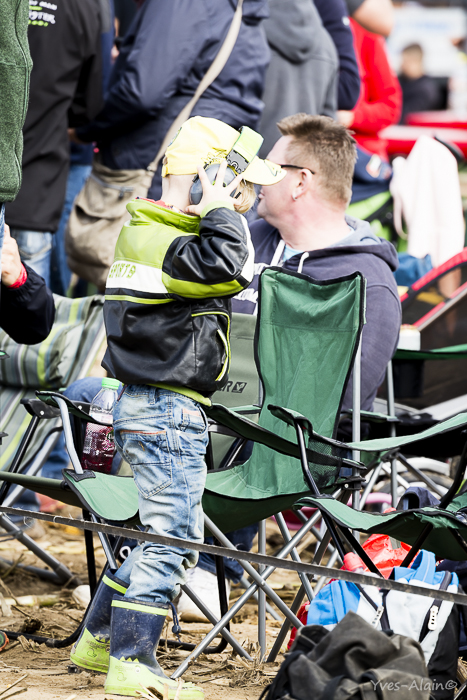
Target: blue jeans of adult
(163,436)
(35,249)
(60,273)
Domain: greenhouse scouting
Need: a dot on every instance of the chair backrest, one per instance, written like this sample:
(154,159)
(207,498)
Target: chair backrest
(243,385)
(66,355)
(306,340)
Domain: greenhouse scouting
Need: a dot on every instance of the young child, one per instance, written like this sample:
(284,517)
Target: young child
(167,315)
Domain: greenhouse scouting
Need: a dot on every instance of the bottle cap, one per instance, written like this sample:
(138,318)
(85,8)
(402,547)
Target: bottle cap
(109,383)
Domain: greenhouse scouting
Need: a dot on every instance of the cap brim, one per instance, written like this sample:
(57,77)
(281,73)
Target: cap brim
(263,172)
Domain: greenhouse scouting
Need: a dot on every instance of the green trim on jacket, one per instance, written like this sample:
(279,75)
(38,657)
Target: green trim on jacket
(167,304)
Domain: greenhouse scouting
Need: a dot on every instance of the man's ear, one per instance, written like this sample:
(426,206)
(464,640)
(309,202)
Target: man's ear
(307,182)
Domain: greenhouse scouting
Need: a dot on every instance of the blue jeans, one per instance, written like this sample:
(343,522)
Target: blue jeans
(61,274)
(163,436)
(35,249)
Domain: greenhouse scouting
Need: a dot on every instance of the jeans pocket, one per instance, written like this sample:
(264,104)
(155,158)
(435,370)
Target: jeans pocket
(193,419)
(148,455)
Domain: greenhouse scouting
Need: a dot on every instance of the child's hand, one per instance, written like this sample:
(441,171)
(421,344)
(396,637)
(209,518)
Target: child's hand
(216,192)
(11,262)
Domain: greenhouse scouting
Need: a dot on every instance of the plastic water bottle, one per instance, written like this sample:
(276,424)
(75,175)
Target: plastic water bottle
(99,444)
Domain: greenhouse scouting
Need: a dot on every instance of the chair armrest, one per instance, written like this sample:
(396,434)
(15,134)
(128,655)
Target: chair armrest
(246,410)
(76,408)
(316,442)
(373,416)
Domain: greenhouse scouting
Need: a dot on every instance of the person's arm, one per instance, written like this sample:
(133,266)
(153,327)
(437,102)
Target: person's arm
(375,15)
(169,39)
(27,308)
(334,17)
(379,342)
(381,101)
(218,262)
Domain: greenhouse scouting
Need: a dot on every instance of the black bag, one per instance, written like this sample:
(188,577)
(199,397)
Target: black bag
(352,660)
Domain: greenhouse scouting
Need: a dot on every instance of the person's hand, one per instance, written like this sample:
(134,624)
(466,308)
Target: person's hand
(345,117)
(73,137)
(216,192)
(11,262)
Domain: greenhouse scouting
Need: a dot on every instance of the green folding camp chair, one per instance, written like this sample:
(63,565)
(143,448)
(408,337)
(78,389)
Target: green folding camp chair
(65,356)
(307,337)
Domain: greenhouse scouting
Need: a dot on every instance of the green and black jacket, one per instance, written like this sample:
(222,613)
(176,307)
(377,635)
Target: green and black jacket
(167,306)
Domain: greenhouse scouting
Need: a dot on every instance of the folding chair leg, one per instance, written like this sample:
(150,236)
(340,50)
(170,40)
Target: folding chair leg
(294,554)
(295,607)
(317,559)
(259,582)
(261,593)
(269,609)
(410,556)
(228,638)
(63,575)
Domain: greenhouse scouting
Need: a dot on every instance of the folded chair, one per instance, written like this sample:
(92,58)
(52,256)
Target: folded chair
(66,355)
(307,337)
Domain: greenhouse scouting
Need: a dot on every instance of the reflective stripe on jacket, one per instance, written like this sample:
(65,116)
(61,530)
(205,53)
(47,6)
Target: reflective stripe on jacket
(167,306)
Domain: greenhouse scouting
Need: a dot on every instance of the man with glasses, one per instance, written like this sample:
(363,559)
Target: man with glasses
(304,228)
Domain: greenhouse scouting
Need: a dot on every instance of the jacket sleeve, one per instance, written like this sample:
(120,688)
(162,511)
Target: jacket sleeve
(169,38)
(380,103)
(218,262)
(379,342)
(334,17)
(27,312)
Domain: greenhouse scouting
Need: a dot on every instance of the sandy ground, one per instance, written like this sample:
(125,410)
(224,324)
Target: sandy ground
(43,672)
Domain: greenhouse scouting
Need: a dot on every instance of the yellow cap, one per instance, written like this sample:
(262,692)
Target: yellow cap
(202,140)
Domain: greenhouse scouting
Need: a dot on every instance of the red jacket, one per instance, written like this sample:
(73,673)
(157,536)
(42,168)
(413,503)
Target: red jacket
(380,101)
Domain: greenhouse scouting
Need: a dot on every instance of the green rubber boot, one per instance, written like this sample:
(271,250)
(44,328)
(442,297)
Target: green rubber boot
(136,628)
(91,651)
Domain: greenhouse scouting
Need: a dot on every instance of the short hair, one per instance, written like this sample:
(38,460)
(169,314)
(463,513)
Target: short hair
(413,48)
(326,147)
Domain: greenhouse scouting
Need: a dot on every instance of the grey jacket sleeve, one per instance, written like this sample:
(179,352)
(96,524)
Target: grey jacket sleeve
(379,342)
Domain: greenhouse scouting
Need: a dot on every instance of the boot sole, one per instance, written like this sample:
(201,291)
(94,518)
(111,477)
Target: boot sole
(135,677)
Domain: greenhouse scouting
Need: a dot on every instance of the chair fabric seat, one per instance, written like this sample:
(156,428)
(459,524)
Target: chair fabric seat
(112,498)
(404,525)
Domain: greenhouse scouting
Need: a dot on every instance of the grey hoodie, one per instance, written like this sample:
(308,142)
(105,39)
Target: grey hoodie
(303,72)
(360,251)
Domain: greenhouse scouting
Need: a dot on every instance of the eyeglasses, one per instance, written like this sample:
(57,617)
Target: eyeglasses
(297,167)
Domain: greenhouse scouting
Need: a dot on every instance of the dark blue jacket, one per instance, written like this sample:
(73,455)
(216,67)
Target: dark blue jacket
(167,50)
(334,17)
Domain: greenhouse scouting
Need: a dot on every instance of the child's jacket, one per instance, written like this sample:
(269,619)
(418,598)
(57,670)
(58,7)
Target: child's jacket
(167,306)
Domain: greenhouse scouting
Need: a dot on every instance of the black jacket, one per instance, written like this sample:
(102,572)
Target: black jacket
(27,312)
(166,52)
(167,300)
(65,45)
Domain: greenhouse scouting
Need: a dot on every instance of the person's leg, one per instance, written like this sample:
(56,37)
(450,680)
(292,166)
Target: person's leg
(163,436)
(60,273)
(35,249)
